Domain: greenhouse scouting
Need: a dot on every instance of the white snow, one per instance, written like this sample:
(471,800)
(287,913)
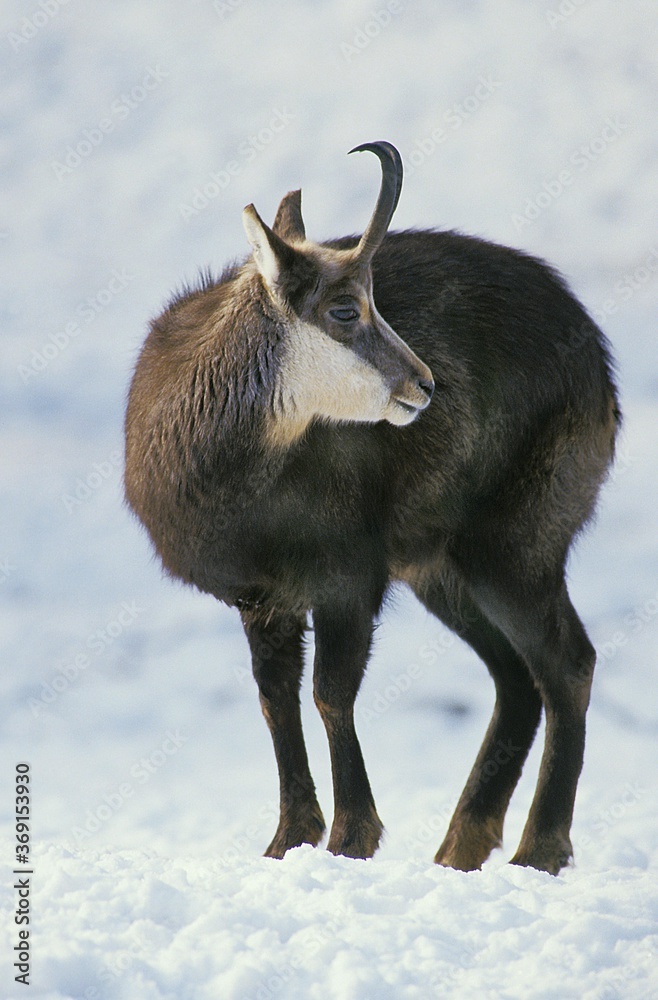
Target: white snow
(153,780)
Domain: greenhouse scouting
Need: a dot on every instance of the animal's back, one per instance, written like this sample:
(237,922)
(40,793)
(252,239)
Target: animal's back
(521,428)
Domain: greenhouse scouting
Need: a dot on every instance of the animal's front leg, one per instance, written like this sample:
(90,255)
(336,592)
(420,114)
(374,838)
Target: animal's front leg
(277,660)
(342,641)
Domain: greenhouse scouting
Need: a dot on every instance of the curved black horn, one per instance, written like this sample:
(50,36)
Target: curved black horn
(389,194)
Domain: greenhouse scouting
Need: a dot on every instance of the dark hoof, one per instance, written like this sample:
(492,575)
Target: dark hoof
(468,844)
(356,838)
(304,830)
(545,854)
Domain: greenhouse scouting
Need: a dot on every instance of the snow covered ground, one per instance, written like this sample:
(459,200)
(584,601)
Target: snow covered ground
(133,135)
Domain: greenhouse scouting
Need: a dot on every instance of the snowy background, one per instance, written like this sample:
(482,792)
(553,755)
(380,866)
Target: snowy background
(132,136)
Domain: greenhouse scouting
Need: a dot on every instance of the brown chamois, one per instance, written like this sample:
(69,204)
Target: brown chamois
(283,453)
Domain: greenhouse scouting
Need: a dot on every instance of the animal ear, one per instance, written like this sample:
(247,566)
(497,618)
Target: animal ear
(287,273)
(288,223)
(273,256)
(284,270)
(266,245)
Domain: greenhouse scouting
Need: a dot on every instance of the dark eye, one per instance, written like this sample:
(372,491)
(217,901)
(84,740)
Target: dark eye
(344,314)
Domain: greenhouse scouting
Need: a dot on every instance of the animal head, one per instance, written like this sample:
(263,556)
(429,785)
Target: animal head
(341,360)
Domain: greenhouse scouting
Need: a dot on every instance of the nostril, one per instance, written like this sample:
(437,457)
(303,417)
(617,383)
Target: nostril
(426,386)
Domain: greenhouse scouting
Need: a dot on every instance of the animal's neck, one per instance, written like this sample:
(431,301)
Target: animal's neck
(229,410)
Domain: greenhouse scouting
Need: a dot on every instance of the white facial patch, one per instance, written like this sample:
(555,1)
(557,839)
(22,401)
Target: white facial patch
(321,377)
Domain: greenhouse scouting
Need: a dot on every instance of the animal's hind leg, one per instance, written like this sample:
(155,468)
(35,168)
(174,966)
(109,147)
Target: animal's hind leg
(543,625)
(477,824)
(277,661)
(564,669)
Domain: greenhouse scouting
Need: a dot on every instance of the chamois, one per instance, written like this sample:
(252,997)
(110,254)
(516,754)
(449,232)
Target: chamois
(327,419)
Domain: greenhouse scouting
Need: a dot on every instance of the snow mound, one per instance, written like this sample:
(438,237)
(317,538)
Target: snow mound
(318,927)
